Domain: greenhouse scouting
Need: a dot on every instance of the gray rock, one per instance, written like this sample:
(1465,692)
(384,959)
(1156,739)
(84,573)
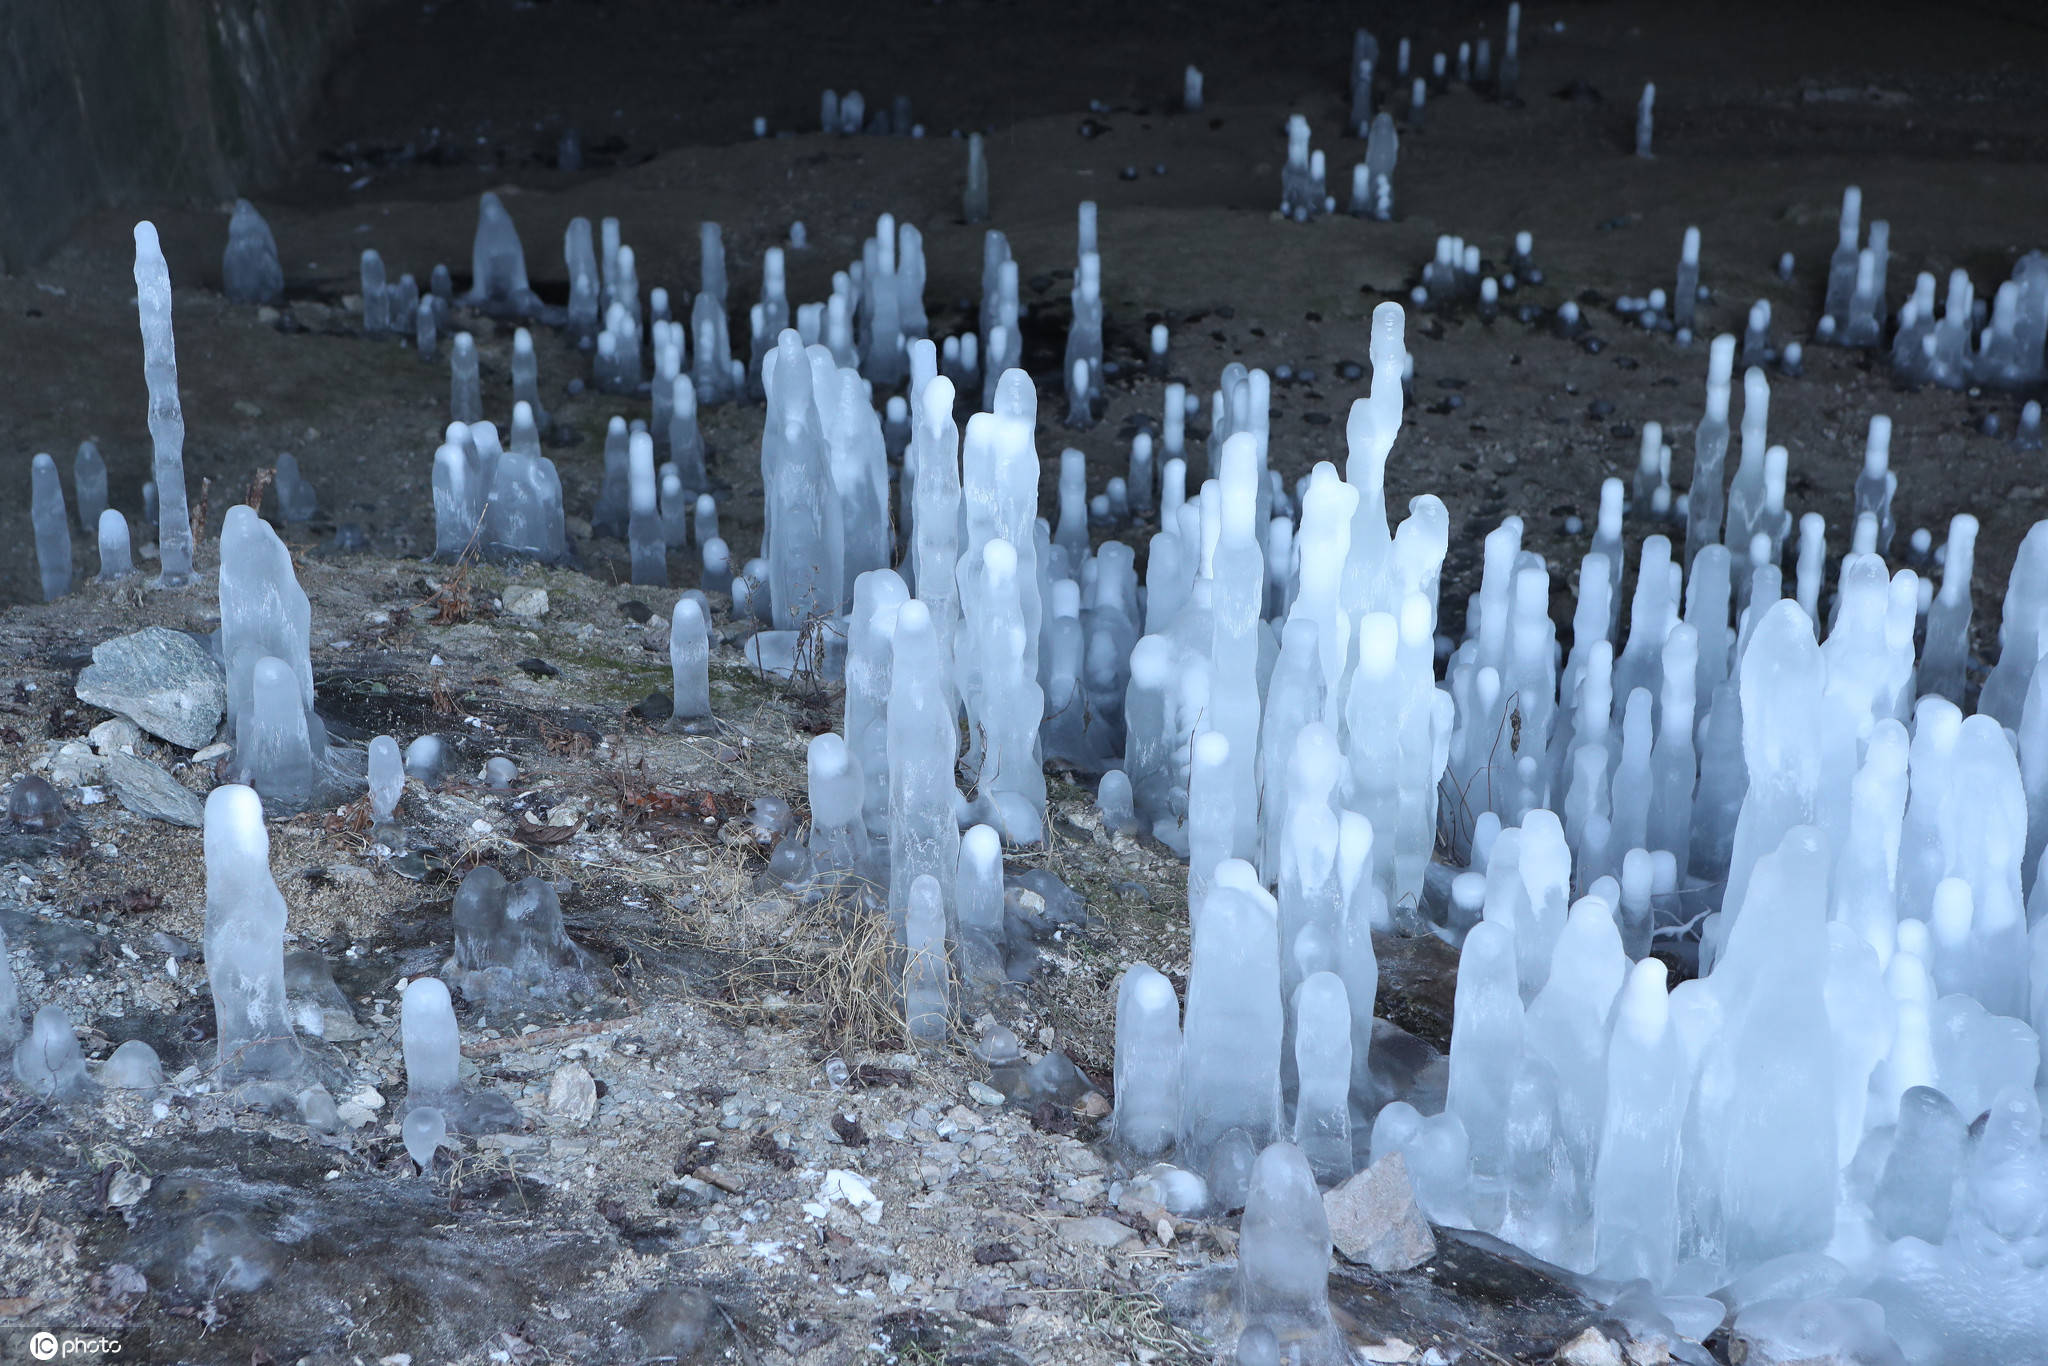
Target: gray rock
(162,680)
(572,1093)
(1096,1231)
(1374,1219)
(148,791)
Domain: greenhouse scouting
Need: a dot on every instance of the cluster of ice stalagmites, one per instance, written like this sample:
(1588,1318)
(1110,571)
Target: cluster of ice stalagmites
(2001,344)
(266,624)
(1782,775)
(510,945)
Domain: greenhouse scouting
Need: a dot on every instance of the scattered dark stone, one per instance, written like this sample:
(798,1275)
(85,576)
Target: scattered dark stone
(1127,173)
(1578,90)
(1316,419)
(1258,331)
(656,706)
(1226,312)
(540,668)
(1049,1118)
(774,1154)
(994,1254)
(1039,283)
(870,1074)
(1217,336)
(1313,316)
(1350,369)
(1598,409)
(1627,362)
(1592,346)
(1611,224)
(1591,298)
(636,609)
(849,1131)
(1450,382)
(1092,128)
(1215,124)
(1622,430)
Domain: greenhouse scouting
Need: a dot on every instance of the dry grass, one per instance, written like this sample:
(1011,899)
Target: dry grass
(833,957)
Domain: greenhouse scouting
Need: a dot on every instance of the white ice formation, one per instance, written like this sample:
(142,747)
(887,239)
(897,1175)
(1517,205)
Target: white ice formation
(244,942)
(249,268)
(166,413)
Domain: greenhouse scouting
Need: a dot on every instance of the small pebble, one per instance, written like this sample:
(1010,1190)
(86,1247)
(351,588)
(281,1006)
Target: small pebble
(1127,173)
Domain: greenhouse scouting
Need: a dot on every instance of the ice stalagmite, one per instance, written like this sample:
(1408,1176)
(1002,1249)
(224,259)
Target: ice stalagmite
(801,509)
(524,517)
(526,375)
(935,523)
(1685,296)
(1777,1145)
(1645,107)
(924,836)
(465,387)
(685,437)
(274,751)
(387,777)
(839,835)
(1239,578)
(166,414)
(244,941)
(1230,1075)
(1635,1177)
(498,263)
(643,527)
(1322,1058)
(89,482)
(978,907)
(52,527)
(49,1064)
(376,294)
(423,1132)
(115,561)
(1148,1062)
(927,973)
(689,652)
(432,1047)
(1486,1043)
(249,269)
(263,611)
(10,999)
(1283,1267)
(1946,654)
(877,597)
(1006,707)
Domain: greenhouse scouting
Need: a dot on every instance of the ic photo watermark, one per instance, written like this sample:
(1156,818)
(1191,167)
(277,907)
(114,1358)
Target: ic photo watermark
(34,1345)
